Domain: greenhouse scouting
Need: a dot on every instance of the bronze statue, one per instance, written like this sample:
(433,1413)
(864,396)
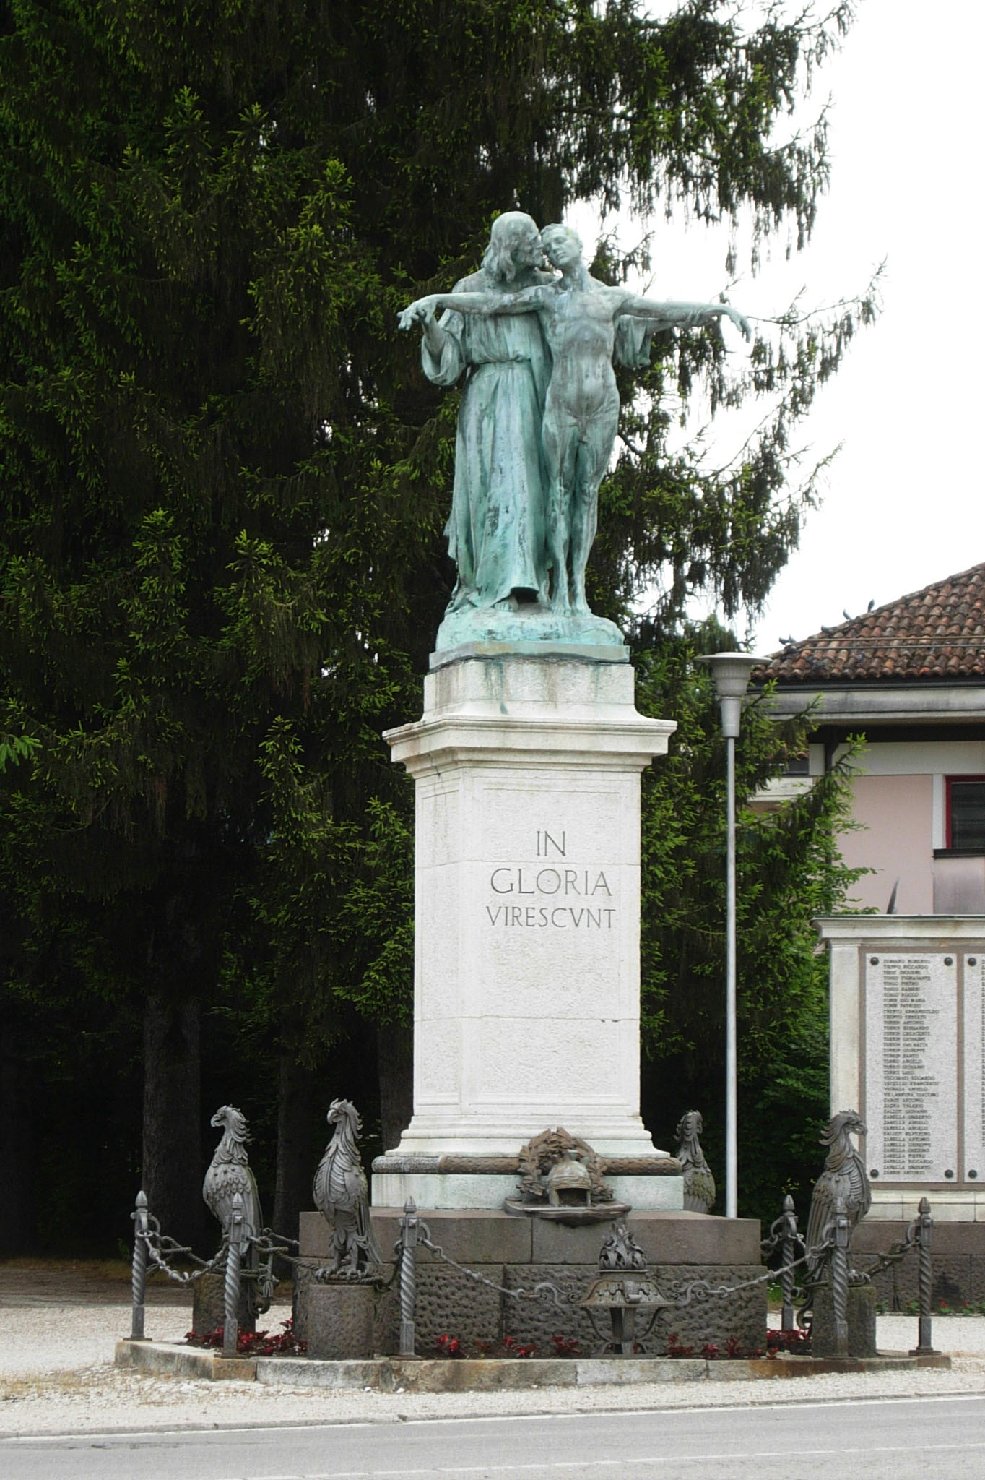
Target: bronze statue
(580,319)
(341,1194)
(844,1176)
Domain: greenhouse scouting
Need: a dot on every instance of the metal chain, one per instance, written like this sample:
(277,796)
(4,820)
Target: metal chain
(701,1290)
(520,1293)
(264,1241)
(892,1256)
(159,1245)
(695,1289)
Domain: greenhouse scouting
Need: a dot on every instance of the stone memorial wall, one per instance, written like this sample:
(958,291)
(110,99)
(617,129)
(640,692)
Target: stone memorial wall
(907,1044)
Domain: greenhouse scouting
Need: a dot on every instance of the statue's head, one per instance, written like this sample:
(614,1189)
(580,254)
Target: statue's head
(232,1121)
(561,245)
(344,1111)
(690,1125)
(514,247)
(846,1122)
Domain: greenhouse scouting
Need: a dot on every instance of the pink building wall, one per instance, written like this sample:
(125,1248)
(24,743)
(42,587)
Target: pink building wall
(895,840)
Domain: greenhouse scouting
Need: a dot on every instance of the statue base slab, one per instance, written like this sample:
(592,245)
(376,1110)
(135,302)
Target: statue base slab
(491,1191)
(514,622)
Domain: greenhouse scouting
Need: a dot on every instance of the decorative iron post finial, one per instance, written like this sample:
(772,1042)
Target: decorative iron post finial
(699,1184)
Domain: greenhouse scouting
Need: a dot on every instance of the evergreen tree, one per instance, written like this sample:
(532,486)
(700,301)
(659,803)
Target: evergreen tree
(224,479)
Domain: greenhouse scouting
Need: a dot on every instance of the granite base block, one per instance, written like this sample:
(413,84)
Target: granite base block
(861,1323)
(480,1316)
(336,1322)
(674,1237)
(209,1304)
(510,1254)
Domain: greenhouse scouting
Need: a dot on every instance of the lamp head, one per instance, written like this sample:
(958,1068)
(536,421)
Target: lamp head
(730,672)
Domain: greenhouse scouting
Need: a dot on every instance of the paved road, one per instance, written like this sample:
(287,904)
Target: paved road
(886,1440)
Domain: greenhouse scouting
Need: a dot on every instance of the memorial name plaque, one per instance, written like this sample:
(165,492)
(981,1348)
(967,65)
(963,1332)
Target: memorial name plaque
(911,1060)
(973,971)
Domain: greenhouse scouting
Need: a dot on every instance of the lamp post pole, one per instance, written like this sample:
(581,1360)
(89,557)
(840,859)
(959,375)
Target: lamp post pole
(730,672)
(731,1026)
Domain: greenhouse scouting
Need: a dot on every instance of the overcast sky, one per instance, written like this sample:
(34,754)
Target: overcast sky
(902,502)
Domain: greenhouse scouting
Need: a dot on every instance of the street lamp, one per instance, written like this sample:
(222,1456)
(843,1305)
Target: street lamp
(731,674)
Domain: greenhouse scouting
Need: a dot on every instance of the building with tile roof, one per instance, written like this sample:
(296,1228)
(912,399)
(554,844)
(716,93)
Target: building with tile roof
(910,677)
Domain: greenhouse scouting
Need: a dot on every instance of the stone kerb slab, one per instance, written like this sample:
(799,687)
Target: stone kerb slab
(527,775)
(393,1375)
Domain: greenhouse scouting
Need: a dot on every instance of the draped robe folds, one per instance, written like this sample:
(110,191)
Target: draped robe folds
(496,526)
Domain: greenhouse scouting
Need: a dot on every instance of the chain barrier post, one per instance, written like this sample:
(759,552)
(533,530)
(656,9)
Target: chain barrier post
(234,1254)
(408,1278)
(839,1277)
(922,1228)
(138,1269)
(788,1251)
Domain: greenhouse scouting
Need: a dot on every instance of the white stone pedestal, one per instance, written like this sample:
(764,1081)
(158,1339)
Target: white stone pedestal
(527,771)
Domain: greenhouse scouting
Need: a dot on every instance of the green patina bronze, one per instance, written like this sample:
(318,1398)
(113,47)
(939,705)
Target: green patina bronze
(536,427)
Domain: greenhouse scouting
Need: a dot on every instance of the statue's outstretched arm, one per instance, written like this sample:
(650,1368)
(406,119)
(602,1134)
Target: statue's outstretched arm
(682,315)
(524,301)
(424,308)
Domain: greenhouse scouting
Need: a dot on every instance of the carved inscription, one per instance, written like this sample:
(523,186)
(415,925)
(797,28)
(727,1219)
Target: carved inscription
(550,896)
(974,1076)
(911,1066)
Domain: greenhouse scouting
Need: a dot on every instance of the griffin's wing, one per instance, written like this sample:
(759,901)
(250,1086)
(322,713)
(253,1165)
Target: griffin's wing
(822,1210)
(702,1185)
(364,1227)
(252,1211)
(319,1187)
(861,1194)
(221,1185)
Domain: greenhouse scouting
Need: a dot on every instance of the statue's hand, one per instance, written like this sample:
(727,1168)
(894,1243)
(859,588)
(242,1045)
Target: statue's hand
(740,322)
(415,313)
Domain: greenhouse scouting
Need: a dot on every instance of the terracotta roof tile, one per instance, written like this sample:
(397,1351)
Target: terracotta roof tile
(933,634)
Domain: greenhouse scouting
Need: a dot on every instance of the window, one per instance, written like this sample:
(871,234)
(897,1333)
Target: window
(966,813)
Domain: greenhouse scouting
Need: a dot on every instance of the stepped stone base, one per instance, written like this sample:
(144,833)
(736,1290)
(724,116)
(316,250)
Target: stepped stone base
(518,1253)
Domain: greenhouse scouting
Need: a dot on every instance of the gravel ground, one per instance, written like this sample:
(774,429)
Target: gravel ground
(59,1326)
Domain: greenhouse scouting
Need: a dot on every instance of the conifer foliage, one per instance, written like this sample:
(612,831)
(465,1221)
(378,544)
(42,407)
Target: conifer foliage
(224,479)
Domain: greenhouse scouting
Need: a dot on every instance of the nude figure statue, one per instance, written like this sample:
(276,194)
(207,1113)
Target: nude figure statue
(578,316)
